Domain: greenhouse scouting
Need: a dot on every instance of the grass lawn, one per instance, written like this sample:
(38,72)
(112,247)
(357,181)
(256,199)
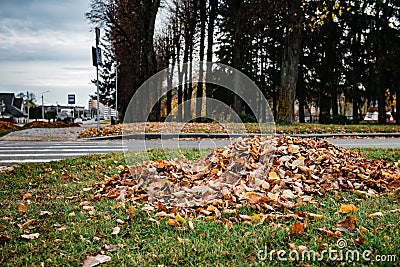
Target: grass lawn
(298,128)
(56,200)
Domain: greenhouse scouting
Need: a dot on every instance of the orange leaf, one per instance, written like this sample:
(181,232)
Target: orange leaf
(22,207)
(297,228)
(27,196)
(347,208)
(172,222)
(160,164)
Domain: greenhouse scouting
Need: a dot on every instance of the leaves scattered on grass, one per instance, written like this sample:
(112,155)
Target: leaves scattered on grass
(173,127)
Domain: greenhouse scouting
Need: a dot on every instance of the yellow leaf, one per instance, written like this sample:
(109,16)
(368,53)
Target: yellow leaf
(347,208)
(316,216)
(180,219)
(256,217)
(273,176)
(363,229)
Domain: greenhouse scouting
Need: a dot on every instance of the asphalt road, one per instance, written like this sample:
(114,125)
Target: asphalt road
(14,152)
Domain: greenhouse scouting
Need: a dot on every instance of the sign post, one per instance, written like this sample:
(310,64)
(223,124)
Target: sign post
(96,54)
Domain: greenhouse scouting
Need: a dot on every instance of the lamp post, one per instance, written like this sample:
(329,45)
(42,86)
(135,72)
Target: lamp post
(116,89)
(43,104)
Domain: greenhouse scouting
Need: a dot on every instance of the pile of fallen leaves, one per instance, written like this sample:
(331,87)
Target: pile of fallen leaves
(104,131)
(268,174)
(56,124)
(4,125)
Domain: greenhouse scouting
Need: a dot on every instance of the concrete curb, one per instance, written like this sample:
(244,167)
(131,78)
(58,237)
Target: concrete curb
(149,136)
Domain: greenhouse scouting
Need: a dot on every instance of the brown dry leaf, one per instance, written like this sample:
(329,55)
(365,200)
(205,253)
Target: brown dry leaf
(376,214)
(347,208)
(22,207)
(45,213)
(293,149)
(4,238)
(347,224)
(360,240)
(28,222)
(131,209)
(27,196)
(297,229)
(96,260)
(30,236)
(272,196)
(245,217)
(116,230)
(112,248)
(330,233)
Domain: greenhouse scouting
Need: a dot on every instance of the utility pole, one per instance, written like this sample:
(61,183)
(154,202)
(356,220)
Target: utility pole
(98,56)
(116,90)
(43,104)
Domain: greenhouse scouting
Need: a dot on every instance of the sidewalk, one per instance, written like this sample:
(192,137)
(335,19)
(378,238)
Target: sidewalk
(44,134)
(148,136)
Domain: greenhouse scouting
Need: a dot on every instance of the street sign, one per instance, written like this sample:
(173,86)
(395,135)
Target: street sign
(71,99)
(99,59)
(94,56)
(97,30)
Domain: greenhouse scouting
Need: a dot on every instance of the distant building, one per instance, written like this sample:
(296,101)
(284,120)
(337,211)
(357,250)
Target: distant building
(12,108)
(105,111)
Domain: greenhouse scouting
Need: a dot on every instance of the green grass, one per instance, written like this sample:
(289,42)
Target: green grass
(67,240)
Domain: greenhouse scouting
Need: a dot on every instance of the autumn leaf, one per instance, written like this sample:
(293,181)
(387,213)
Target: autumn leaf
(180,219)
(363,229)
(27,196)
(22,207)
(116,230)
(273,176)
(347,224)
(297,228)
(330,233)
(173,222)
(315,216)
(191,226)
(30,236)
(347,208)
(360,240)
(376,214)
(96,260)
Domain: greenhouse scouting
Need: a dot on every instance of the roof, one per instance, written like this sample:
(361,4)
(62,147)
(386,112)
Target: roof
(11,109)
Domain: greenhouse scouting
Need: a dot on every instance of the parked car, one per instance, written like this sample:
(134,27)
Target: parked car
(64,116)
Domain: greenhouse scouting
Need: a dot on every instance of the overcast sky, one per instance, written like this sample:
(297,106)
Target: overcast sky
(46,45)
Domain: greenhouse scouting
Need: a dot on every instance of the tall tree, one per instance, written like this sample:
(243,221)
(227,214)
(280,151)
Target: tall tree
(290,62)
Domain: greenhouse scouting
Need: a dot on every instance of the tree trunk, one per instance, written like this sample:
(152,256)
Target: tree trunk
(199,93)
(210,42)
(290,64)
